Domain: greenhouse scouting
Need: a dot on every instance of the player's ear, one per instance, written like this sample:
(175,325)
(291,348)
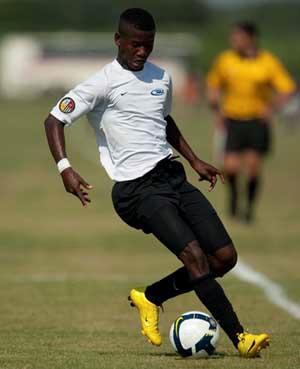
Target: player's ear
(117,39)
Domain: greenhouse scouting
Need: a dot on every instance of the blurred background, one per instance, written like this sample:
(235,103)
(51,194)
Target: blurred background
(49,46)
(66,271)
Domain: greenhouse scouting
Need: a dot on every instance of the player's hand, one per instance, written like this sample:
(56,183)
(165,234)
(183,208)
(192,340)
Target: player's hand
(76,185)
(219,121)
(267,114)
(207,173)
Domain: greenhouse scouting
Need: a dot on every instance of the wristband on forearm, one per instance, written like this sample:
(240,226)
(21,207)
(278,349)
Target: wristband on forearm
(63,164)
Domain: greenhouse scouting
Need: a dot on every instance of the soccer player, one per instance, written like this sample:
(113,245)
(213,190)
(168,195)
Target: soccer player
(246,85)
(128,103)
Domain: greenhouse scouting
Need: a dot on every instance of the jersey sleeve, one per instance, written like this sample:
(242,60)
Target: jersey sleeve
(169,98)
(214,78)
(81,99)
(280,78)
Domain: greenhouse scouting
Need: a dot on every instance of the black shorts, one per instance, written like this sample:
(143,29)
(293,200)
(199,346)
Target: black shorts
(244,135)
(163,203)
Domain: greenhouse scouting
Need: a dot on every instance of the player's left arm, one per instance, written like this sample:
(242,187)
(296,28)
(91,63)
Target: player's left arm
(283,86)
(278,101)
(206,171)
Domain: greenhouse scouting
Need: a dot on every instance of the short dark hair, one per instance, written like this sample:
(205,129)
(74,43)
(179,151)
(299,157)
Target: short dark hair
(249,27)
(139,18)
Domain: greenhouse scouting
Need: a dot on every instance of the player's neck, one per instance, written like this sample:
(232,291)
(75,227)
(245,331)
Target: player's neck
(249,53)
(124,64)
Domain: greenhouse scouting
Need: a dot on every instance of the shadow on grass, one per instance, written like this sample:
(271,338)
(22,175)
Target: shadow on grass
(216,355)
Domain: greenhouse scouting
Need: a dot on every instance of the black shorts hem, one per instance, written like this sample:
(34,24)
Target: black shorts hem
(245,135)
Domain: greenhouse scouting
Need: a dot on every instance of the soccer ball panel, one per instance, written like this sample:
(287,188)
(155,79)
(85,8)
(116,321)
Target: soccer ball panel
(194,333)
(189,331)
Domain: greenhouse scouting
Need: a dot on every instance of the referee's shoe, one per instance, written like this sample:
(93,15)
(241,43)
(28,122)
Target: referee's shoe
(149,315)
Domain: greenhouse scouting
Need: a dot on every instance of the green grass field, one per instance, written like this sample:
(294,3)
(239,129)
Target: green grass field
(66,270)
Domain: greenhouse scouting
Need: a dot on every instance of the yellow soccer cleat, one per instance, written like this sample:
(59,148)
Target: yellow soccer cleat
(250,344)
(149,315)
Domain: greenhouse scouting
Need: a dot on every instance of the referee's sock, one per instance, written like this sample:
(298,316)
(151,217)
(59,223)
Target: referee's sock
(252,191)
(212,296)
(173,285)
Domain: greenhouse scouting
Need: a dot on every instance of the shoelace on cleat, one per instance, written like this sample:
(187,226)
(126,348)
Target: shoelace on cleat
(242,336)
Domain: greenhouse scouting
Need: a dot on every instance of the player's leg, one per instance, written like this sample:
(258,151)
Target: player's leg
(149,203)
(253,164)
(212,255)
(218,146)
(232,161)
(221,256)
(171,229)
(232,167)
(258,145)
(166,224)
(175,227)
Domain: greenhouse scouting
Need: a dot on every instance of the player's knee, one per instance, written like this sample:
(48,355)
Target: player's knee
(194,260)
(232,164)
(232,258)
(228,257)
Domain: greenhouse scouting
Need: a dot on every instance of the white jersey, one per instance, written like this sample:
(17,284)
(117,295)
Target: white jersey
(127,111)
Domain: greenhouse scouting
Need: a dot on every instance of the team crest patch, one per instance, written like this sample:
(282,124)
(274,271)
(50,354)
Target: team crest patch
(67,105)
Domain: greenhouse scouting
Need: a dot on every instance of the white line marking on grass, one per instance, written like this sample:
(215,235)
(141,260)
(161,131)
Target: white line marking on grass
(273,291)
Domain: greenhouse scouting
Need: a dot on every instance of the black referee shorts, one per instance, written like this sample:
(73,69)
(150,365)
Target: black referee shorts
(163,203)
(254,134)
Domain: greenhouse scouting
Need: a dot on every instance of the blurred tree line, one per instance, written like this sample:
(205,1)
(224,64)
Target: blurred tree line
(93,15)
(278,22)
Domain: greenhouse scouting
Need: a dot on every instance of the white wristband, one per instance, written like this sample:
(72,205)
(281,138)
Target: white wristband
(63,164)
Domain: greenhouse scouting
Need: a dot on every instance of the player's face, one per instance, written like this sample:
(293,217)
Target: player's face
(241,41)
(135,46)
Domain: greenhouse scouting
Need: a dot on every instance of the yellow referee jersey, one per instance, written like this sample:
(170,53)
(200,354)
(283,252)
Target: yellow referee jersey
(247,84)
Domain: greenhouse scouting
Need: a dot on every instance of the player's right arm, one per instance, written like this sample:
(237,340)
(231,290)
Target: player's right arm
(214,91)
(72,181)
(76,103)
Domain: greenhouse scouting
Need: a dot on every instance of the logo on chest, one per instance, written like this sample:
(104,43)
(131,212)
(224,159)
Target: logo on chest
(157,92)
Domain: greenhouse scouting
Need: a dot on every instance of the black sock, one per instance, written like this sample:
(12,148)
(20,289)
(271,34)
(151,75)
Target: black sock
(212,296)
(174,284)
(233,197)
(252,189)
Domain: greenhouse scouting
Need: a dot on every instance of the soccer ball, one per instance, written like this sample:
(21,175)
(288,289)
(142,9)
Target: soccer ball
(194,333)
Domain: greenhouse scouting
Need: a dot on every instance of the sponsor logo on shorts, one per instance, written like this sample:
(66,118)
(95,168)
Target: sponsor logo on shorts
(67,105)
(157,92)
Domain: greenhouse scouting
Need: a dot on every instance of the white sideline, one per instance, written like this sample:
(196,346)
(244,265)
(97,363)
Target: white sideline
(273,291)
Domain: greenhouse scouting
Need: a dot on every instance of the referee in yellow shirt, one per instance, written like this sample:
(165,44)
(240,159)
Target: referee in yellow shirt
(246,85)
